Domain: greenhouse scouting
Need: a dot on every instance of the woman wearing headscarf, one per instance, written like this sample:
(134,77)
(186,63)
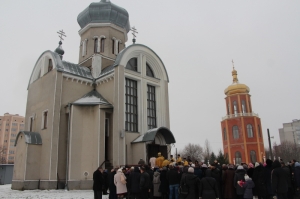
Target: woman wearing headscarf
(239,176)
(120,182)
(193,183)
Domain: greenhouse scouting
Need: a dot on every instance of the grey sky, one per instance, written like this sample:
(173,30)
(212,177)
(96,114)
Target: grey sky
(196,41)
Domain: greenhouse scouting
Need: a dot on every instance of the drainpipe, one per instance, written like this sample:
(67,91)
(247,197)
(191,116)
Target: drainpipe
(68,148)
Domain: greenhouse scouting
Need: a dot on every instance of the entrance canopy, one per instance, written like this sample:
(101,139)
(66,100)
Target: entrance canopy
(30,137)
(151,134)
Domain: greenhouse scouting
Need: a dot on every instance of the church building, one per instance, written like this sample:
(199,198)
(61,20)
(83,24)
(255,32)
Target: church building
(109,109)
(241,127)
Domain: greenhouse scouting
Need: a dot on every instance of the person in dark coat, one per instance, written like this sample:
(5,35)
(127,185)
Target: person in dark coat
(203,168)
(198,172)
(248,186)
(98,183)
(105,182)
(239,176)
(287,172)
(250,170)
(144,183)
(216,174)
(208,187)
(133,183)
(164,185)
(279,181)
(297,178)
(259,179)
(151,173)
(156,184)
(193,184)
(112,186)
(268,171)
(227,180)
(173,181)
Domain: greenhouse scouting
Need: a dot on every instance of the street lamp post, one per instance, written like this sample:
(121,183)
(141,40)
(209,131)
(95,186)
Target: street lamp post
(270,147)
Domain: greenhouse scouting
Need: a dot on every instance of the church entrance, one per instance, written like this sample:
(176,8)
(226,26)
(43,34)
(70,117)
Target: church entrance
(154,149)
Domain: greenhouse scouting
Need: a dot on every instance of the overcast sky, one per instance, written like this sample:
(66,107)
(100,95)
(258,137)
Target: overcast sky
(196,41)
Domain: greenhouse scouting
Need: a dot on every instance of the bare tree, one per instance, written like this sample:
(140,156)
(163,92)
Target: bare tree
(286,151)
(207,150)
(195,151)
(3,155)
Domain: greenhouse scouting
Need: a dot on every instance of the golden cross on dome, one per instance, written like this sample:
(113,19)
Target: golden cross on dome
(233,64)
(61,34)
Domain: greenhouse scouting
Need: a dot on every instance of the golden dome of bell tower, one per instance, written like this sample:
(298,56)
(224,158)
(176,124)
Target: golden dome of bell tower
(236,87)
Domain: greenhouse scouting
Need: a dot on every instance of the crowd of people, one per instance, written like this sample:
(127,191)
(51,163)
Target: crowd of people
(183,178)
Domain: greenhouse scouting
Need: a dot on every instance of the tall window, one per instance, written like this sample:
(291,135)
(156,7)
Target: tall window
(238,157)
(259,134)
(151,110)
(235,108)
(131,122)
(250,131)
(113,46)
(102,45)
(30,124)
(149,71)
(132,64)
(244,109)
(96,45)
(253,156)
(228,107)
(50,65)
(235,132)
(224,132)
(45,118)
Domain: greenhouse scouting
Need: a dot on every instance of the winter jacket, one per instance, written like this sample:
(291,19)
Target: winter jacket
(239,175)
(288,175)
(164,185)
(156,184)
(229,189)
(268,171)
(248,186)
(279,179)
(98,180)
(259,179)
(208,188)
(193,184)
(121,188)
(198,172)
(297,174)
(134,181)
(145,181)
(250,172)
(173,176)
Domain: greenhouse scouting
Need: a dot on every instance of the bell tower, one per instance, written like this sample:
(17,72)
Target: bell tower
(104,28)
(241,127)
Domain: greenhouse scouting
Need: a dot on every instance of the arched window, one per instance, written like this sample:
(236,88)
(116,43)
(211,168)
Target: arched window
(235,109)
(235,132)
(224,134)
(250,131)
(238,157)
(253,156)
(102,44)
(132,64)
(228,107)
(84,48)
(50,65)
(149,71)
(96,45)
(244,109)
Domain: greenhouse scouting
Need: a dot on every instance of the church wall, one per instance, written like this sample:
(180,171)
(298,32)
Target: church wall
(40,98)
(138,152)
(130,136)
(33,162)
(106,89)
(20,162)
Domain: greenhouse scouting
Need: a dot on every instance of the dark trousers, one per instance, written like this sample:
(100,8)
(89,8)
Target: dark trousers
(134,196)
(97,194)
(144,194)
(282,196)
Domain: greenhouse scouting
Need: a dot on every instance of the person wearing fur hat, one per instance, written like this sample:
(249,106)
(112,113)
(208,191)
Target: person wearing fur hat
(193,184)
(238,177)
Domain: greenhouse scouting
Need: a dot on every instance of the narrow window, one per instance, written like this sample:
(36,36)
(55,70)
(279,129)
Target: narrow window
(228,109)
(131,120)
(253,156)
(235,108)
(224,136)
(30,124)
(151,107)
(113,46)
(102,45)
(96,45)
(259,134)
(238,157)
(45,117)
(244,106)
(50,65)
(132,64)
(250,131)
(118,50)
(235,132)
(149,71)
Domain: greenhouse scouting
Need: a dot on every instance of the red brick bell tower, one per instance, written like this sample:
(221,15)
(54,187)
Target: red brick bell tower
(241,127)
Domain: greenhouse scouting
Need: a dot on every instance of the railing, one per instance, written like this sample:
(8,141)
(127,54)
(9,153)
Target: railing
(239,115)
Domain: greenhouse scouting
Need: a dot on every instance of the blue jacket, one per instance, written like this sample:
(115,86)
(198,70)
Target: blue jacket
(249,185)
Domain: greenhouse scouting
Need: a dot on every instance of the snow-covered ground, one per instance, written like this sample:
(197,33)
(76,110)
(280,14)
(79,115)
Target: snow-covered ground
(6,192)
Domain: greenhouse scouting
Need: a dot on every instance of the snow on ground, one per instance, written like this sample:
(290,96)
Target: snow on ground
(7,193)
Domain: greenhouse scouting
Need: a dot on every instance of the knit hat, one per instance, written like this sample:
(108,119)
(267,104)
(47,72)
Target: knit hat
(256,164)
(204,166)
(240,167)
(191,170)
(231,166)
(193,165)
(246,177)
(250,165)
